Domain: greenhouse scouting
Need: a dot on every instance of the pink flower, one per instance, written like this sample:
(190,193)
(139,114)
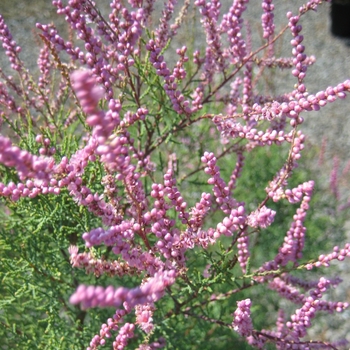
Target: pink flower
(242,322)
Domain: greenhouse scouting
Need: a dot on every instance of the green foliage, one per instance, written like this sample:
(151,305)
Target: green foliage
(36,276)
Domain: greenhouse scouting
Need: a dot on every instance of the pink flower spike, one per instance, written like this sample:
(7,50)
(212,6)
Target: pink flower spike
(242,322)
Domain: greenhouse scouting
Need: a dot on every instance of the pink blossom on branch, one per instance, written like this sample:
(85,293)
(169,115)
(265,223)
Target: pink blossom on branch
(267,19)
(144,318)
(149,292)
(301,320)
(262,217)
(26,164)
(242,322)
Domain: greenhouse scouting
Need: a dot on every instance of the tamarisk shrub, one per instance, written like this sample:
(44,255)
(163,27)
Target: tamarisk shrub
(163,188)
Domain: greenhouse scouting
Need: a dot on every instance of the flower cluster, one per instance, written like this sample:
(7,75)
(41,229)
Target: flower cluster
(242,322)
(262,217)
(300,321)
(96,136)
(150,291)
(11,48)
(179,103)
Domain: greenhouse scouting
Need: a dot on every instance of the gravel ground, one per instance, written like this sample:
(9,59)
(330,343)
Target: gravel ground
(332,123)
